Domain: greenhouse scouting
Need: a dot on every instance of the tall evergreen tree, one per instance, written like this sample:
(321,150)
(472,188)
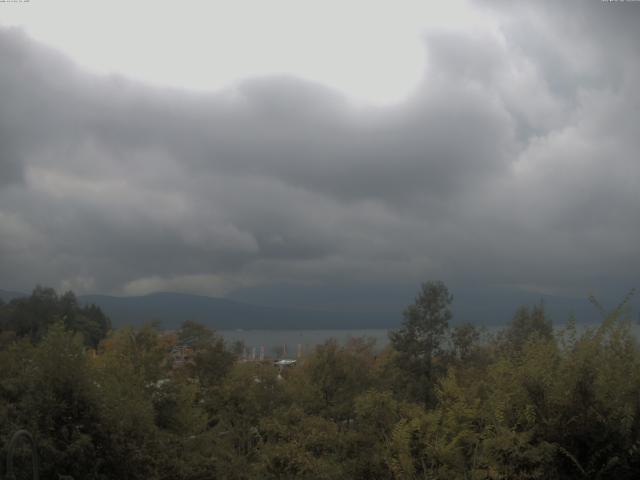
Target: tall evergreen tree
(420,338)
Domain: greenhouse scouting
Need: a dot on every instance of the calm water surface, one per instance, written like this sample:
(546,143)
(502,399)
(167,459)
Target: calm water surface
(305,341)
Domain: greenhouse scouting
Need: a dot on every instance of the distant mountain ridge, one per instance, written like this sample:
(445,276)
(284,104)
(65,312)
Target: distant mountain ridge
(490,307)
(7,295)
(171,309)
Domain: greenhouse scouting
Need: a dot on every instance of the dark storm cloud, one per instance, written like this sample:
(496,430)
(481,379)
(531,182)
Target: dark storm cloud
(515,162)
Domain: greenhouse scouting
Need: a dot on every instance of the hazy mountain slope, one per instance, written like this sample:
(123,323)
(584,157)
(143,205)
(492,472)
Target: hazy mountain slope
(6,295)
(480,305)
(327,310)
(173,308)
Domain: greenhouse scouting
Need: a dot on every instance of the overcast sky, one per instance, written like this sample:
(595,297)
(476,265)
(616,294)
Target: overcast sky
(207,147)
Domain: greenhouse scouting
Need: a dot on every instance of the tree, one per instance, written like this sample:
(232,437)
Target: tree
(145,349)
(90,321)
(419,340)
(212,363)
(211,358)
(526,324)
(196,334)
(31,317)
(464,338)
(337,375)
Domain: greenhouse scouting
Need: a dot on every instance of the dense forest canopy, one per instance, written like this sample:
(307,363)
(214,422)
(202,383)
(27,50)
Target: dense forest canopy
(32,316)
(438,402)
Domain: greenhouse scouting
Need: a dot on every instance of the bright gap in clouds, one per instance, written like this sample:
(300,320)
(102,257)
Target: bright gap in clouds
(372,51)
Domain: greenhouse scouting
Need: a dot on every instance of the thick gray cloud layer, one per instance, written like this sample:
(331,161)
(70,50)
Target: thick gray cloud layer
(515,163)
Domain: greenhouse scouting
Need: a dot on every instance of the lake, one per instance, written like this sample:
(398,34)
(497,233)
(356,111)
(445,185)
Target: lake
(306,340)
(273,341)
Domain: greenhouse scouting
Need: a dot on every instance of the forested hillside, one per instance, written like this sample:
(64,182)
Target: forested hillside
(439,402)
